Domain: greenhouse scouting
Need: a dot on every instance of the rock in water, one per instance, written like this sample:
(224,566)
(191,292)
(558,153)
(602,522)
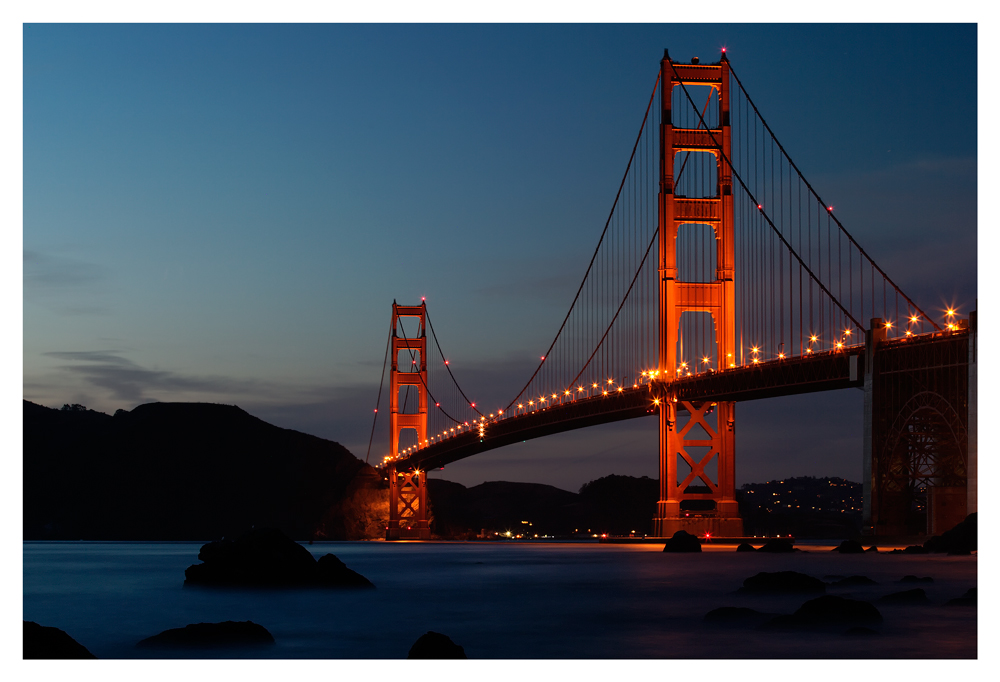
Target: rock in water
(41,641)
(967,599)
(825,612)
(914,596)
(783,582)
(831,610)
(849,547)
(682,541)
(435,645)
(915,579)
(853,581)
(959,540)
(229,633)
(266,557)
(333,571)
(777,545)
(745,547)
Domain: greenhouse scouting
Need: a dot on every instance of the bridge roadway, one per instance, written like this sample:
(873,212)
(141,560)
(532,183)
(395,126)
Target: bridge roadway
(822,371)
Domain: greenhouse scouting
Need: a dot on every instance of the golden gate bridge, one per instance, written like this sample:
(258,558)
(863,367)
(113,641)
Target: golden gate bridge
(755,289)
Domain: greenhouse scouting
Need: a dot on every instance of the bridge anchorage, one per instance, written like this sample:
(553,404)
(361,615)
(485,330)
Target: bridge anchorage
(756,290)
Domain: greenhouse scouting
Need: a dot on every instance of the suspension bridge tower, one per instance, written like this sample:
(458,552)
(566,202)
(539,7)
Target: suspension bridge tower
(692,449)
(408,489)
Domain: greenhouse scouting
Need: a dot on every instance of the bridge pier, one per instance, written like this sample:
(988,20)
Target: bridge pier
(407,506)
(408,489)
(695,502)
(919,440)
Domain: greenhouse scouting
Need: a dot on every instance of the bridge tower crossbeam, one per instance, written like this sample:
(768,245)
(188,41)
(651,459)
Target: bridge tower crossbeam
(684,504)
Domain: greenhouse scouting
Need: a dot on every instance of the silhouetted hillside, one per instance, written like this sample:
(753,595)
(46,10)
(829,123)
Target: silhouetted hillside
(187,471)
(614,504)
(805,507)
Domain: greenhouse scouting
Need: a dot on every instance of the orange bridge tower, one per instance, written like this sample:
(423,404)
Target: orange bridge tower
(408,489)
(695,448)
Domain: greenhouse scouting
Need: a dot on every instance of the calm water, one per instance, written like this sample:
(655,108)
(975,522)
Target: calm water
(497,600)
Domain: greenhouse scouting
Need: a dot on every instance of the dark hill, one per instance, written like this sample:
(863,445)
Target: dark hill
(183,471)
(613,504)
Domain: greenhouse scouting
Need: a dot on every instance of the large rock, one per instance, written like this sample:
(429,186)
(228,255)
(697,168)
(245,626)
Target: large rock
(435,645)
(782,582)
(849,547)
(828,611)
(682,541)
(906,597)
(227,634)
(266,557)
(778,546)
(959,540)
(745,547)
(41,641)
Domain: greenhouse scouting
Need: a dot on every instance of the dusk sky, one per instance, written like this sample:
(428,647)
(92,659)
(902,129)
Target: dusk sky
(225,213)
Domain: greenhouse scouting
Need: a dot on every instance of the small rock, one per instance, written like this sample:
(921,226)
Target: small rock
(849,547)
(853,581)
(745,547)
(333,571)
(873,548)
(783,582)
(826,612)
(778,545)
(967,599)
(435,645)
(915,549)
(41,641)
(906,597)
(915,579)
(682,541)
(228,633)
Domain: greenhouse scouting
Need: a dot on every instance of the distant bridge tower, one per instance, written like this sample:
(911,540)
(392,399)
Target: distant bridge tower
(408,489)
(689,497)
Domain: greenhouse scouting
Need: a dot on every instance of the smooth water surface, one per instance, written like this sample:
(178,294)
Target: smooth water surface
(497,600)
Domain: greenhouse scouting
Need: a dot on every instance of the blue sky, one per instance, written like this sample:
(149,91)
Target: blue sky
(225,213)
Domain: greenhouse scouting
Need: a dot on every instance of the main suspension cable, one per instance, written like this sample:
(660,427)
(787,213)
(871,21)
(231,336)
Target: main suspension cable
(378,400)
(596,250)
(820,200)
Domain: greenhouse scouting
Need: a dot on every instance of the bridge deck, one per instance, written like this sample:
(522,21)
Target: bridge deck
(826,371)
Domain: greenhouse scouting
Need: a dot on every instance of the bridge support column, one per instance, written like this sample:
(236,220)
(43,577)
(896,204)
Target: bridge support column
(972,498)
(407,506)
(690,500)
(697,460)
(408,489)
(917,440)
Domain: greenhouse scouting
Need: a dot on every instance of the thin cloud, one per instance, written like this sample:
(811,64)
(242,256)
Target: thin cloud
(128,381)
(47,273)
